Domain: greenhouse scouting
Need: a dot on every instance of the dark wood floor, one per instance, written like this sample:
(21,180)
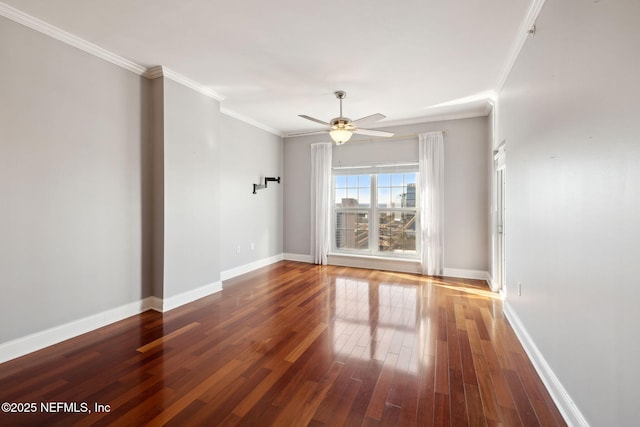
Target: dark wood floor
(295,344)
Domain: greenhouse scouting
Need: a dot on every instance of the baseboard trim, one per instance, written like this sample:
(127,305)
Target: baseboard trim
(156,304)
(375,263)
(462,273)
(399,265)
(183,298)
(39,340)
(298,257)
(559,394)
(492,284)
(246,268)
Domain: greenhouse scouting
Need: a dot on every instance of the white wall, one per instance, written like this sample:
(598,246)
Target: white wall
(191,189)
(466,184)
(112,192)
(569,115)
(72,146)
(248,154)
(156,187)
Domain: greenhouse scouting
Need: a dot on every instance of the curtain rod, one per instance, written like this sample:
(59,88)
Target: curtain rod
(382,138)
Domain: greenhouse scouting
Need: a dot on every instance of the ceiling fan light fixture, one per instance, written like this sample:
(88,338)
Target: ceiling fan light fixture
(340,136)
(341,128)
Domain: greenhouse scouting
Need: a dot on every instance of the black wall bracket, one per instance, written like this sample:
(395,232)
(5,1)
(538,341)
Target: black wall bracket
(268,179)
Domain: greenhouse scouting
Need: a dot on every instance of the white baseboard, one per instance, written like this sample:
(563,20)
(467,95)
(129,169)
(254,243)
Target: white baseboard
(246,268)
(559,394)
(298,257)
(401,266)
(156,304)
(492,284)
(462,273)
(39,340)
(175,301)
(375,263)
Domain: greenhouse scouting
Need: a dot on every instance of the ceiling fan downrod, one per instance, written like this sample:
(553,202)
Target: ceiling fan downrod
(341,128)
(340,94)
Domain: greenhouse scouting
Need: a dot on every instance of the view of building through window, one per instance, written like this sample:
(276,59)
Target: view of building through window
(389,199)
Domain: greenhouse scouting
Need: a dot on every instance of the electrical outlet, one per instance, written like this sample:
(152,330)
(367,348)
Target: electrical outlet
(238,249)
(519,289)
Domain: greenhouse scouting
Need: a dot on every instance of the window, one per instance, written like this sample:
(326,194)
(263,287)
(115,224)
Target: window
(375,213)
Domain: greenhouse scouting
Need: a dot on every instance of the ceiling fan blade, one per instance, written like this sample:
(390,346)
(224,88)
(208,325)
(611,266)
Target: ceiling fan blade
(371,132)
(368,119)
(314,120)
(313,132)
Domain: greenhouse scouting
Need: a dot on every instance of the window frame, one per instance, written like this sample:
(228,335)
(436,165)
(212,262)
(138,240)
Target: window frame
(373,211)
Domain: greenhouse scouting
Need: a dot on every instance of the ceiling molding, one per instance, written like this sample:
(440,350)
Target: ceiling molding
(432,118)
(489,106)
(95,50)
(417,120)
(154,72)
(161,71)
(250,121)
(521,37)
(68,38)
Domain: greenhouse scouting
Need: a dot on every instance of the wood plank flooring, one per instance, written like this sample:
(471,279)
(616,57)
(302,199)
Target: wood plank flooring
(294,344)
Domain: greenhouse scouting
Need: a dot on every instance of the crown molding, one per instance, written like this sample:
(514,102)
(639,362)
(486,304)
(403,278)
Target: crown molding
(415,120)
(95,50)
(149,73)
(161,71)
(154,72)
(250,121)
(68,38)
(434,118)
(521,37)
(452,114)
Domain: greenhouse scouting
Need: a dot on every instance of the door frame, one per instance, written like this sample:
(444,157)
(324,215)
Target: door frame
(499,182)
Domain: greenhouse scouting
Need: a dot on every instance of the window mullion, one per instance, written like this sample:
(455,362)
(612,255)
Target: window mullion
(334,211)
(373,220)
(401,237)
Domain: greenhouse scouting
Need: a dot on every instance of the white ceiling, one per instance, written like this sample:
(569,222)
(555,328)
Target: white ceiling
(274,59)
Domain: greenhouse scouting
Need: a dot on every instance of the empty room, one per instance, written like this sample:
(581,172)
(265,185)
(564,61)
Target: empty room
(363,213)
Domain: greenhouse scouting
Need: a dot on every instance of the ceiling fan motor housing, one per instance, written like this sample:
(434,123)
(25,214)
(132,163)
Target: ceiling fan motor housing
(341,123)
(342,128)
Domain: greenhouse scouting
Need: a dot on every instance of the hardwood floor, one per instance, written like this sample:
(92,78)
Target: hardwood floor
(295,344)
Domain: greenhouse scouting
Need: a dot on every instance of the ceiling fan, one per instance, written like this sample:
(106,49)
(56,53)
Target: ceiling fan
(341,128)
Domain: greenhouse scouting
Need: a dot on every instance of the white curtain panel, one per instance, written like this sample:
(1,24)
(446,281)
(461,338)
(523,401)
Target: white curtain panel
(431,152)
(320,195)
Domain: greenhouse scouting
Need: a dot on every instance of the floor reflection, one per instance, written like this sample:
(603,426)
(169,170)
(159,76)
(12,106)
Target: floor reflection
(372,320)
